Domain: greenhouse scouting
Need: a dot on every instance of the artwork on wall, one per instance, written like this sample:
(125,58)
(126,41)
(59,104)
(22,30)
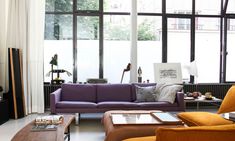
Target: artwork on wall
(167,73)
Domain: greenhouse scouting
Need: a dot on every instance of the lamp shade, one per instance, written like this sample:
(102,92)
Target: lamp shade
(192,68)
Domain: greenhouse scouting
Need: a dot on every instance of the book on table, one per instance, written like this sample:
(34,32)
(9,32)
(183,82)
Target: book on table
(47,123)
(166,118)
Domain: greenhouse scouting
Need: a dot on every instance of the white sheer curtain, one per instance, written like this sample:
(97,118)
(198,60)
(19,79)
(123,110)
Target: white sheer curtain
(26,31)
(3,49)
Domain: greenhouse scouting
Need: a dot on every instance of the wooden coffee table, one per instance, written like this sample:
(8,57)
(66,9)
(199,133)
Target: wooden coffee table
(121,132)
(62,132)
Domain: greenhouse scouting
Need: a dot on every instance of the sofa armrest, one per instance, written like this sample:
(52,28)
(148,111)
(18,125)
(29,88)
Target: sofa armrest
(199,133)
(54,98)
(179,99)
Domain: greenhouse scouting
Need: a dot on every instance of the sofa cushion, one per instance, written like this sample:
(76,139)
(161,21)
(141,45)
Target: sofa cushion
(145,94)
(116,104)
(75,104)
(228,104)
(167,92)
(78,92)
(113,92)
(202,119)
(133,88)
(157,104)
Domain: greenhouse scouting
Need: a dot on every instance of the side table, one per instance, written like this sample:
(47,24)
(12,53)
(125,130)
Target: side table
(215,101)
(4,112)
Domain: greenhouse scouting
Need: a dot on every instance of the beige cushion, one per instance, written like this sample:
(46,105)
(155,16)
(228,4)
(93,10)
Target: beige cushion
(228,104)
(202,119)
(167,92)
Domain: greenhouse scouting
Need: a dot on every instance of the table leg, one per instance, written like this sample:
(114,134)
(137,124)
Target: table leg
(197,105)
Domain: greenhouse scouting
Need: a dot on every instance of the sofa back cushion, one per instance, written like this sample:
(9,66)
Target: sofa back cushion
(133,89)
(113,92)
(78,92)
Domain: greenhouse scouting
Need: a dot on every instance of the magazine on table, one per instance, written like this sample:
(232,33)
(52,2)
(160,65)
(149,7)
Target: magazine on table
(49,119)
(166,117)
(44,127)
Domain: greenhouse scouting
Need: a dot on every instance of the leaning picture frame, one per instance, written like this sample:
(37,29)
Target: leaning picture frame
(168,73)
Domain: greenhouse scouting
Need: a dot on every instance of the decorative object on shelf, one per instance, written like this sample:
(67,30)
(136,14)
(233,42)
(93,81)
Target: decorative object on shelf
(139,75)
(128,68)
(57,80)
(167,73)
(208,96)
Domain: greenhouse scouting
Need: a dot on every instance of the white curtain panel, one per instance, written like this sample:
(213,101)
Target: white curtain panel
(26,31)
(3,48)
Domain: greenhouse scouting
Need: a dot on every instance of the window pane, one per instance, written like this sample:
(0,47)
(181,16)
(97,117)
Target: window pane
(88,4)
(205,7)
(149,6)
(59,5)
(58,40)
(230,75)
(178,40)
(207,47)
(149,45)
(58,27)
(231,6)
(176,6)
(87,48)
(116,47)
(117,5)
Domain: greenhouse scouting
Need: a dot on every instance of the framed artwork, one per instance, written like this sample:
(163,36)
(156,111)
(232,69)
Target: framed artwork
(168,73)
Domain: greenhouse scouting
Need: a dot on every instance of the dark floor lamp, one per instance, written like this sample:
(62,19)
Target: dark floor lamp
(128,67)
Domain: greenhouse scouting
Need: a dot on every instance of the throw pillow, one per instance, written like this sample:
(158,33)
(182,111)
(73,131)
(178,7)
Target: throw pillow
(168,92)
(145,94)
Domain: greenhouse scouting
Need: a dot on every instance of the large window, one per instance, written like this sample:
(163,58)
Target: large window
(116,47)
(149,45)
(92,38)
(207,45)
(230,75)
(178,41)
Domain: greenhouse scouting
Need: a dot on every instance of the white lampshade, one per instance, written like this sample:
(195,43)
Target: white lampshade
(192,69)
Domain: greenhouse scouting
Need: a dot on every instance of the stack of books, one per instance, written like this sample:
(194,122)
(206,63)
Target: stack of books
(47,123)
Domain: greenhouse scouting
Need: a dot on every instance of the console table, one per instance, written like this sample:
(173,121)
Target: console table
(25,134)
(215,101)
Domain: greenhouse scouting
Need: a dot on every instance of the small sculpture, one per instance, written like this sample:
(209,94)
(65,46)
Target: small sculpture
(128,68)
(57,80)
(139,75)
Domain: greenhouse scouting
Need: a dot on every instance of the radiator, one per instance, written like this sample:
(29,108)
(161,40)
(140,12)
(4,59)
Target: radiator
(48,88)
(218,90)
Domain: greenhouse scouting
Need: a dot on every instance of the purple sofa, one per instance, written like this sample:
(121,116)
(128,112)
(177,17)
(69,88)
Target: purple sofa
(94,98)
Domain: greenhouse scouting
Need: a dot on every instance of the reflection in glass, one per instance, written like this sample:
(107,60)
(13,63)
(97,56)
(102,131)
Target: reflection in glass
(59,5)
(88,4)
(87,48)
(58,27)
(207,50)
